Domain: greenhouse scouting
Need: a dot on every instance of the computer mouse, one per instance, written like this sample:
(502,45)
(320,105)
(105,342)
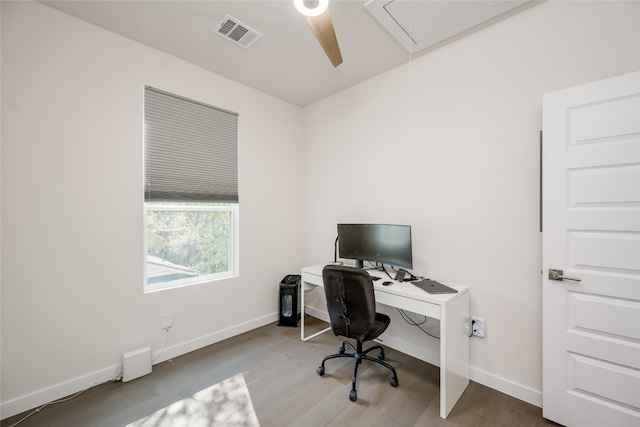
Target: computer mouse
(387,283)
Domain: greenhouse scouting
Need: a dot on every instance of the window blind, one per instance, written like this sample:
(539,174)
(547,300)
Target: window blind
(191,150)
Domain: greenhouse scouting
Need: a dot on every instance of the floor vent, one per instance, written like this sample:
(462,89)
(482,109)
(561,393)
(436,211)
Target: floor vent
(236,32)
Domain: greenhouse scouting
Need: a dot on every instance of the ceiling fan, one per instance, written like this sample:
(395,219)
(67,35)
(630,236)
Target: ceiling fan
(320,22)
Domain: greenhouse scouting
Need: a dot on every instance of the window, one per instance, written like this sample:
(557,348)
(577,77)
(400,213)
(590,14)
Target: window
(191,191)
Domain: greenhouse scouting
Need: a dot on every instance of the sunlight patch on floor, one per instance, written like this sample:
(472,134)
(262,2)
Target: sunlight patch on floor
(227,404)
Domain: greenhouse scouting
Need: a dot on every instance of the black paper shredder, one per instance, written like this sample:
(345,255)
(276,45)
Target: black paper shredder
(289,302)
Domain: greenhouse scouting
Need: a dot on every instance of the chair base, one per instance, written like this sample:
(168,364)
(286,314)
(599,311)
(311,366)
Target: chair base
(359,355)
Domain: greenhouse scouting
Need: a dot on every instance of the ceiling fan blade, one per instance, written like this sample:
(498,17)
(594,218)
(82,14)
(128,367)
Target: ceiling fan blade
(322,27)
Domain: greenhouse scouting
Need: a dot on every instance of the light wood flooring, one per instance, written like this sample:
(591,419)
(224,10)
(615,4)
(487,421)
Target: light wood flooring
(280,372)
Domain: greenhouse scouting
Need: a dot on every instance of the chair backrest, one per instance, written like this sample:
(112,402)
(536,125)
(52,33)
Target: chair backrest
(350,300)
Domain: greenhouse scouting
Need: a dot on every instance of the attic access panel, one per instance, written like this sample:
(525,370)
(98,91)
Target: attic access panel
(429,22)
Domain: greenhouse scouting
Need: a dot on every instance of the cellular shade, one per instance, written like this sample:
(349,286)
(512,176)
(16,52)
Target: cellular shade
(191,150)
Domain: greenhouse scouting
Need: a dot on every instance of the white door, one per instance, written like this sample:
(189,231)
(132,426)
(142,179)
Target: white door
(591,231)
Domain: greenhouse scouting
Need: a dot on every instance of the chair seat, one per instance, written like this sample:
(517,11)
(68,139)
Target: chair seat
(379,326)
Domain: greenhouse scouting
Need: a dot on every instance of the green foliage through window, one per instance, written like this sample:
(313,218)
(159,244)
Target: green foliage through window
(188,241)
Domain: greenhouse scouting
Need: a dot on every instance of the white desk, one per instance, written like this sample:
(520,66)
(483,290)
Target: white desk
(451,309)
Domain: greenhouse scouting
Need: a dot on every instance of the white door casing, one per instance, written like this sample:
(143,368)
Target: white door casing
(591,231)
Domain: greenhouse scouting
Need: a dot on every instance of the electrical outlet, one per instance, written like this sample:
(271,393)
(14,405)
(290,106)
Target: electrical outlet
(167,321)
(478,326)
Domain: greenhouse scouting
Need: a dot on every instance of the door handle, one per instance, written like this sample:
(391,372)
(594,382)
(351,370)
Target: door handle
(558,275)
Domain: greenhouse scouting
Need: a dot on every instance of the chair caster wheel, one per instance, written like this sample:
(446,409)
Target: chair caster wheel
(353,396)
(341,350)
(320,370)
(381,355)
(393,382)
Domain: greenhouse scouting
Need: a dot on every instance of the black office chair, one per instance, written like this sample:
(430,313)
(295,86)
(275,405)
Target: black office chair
(352,310)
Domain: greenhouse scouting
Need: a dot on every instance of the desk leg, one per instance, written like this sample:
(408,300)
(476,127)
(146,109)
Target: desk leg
(302,306)
(302,311)
(454,353)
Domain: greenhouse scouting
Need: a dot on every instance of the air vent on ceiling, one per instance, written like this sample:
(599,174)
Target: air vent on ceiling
(236,32)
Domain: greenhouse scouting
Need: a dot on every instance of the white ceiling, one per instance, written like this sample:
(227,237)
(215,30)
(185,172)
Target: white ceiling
(287,62)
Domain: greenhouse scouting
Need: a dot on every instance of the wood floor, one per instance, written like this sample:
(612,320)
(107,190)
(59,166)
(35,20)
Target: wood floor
(280,372)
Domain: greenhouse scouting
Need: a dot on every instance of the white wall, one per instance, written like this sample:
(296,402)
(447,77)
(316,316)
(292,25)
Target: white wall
(467,179)
(72,218)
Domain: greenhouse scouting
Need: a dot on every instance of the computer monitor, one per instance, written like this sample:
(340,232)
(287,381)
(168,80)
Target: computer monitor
(379,243)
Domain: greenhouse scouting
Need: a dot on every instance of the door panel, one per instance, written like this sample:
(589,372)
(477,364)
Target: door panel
(610,251)
(586,124)
(602,380)
(591,217)
(598,185)
(603,314)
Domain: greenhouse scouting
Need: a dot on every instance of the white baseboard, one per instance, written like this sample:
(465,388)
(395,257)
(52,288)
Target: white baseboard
(506,386)
(411,349)
(495,382)
(58,391)
(200,342)
(322,315)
